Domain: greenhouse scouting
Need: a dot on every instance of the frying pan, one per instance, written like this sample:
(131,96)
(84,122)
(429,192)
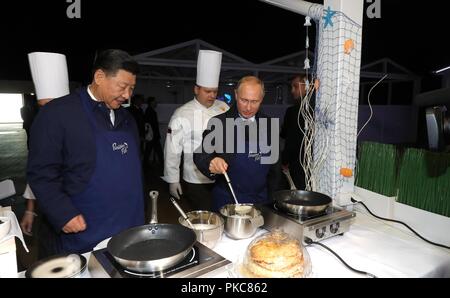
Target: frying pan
(300,202)
(152,247)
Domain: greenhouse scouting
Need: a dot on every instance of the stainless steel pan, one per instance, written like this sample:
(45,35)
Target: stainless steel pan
(301,202)
(152,247)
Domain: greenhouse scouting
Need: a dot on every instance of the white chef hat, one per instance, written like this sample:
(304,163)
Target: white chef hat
(208,68)
(49,73)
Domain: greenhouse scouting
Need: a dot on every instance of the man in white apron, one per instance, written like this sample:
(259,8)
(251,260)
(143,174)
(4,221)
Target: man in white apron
(185,131)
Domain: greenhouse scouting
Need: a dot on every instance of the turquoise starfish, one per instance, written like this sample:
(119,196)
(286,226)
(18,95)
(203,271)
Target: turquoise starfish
(329,14)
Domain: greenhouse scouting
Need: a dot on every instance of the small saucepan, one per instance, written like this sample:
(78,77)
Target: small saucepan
(239,225)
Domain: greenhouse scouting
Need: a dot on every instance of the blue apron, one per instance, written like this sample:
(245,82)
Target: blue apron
(248,178)
(113,200)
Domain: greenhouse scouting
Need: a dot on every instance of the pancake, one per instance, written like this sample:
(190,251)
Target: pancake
(276,255)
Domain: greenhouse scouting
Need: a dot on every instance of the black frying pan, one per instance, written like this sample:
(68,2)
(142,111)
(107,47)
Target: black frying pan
(301,202)
(151,247)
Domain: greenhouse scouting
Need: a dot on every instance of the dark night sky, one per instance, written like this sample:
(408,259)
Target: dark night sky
(411,35)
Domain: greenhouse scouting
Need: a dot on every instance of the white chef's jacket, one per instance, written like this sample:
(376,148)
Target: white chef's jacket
(184,134)
(28,193)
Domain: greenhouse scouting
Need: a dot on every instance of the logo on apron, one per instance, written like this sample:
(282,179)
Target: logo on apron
(255,156)
(122,147)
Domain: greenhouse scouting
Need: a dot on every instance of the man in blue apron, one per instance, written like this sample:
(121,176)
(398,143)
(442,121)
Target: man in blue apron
(244,143)
(84,165)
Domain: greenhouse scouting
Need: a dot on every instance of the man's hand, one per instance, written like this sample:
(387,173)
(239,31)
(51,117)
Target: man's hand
(27,222)
(175,190)
(218,166)
(75,225)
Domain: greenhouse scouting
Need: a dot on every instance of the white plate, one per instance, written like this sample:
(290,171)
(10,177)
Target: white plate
(59,266)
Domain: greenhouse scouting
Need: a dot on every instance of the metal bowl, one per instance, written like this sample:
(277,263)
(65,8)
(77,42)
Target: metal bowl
(208,226)
(240,225)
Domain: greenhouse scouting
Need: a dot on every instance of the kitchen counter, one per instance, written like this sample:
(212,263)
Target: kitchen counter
(381,248)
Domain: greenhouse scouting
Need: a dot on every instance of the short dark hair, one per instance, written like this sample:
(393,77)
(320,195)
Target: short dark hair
(113,60)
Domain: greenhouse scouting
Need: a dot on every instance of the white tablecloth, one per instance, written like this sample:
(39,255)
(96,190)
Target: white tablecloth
(378,247)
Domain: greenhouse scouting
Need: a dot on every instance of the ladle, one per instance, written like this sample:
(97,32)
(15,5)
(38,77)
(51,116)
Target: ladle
(186,218)
(240,209)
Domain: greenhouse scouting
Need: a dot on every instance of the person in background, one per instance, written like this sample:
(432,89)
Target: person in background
(250,174)
(50,82)
(185,130)
(28,112)
(293,136)
(26,223)
(84,165)
(153,139)
(136,111)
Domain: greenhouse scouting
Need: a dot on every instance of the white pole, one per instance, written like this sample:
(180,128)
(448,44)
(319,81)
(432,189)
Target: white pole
(339,62)
(338,70)
(298,6)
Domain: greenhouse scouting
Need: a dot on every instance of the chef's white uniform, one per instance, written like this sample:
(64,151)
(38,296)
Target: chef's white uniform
(184,135)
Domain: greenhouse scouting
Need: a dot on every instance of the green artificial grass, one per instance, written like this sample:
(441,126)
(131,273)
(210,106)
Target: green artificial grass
(377,168)
(424,181)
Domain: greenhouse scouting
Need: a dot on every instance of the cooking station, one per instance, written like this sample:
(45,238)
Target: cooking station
(201,260)
(333,221)
(382,248)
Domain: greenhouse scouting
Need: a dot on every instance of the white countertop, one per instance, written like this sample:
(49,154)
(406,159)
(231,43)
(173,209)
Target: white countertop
(382,248)
(378,247)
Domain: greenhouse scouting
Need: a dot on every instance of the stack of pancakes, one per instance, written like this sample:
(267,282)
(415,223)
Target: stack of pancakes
(275,256)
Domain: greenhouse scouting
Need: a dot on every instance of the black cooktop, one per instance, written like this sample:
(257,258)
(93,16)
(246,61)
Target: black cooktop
(199,261)
(116,270)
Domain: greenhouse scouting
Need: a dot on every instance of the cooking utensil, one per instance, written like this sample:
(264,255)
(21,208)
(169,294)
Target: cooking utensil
(289,178)
(231,187)
(301,202)
(185,217)
(207,225)
(153,194)
(239,208)
(241,226)
(152,247)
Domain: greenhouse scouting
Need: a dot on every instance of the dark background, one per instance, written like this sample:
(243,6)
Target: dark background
(412,34)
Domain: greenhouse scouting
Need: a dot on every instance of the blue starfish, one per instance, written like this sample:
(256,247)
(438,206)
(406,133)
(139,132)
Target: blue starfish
(329,14)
